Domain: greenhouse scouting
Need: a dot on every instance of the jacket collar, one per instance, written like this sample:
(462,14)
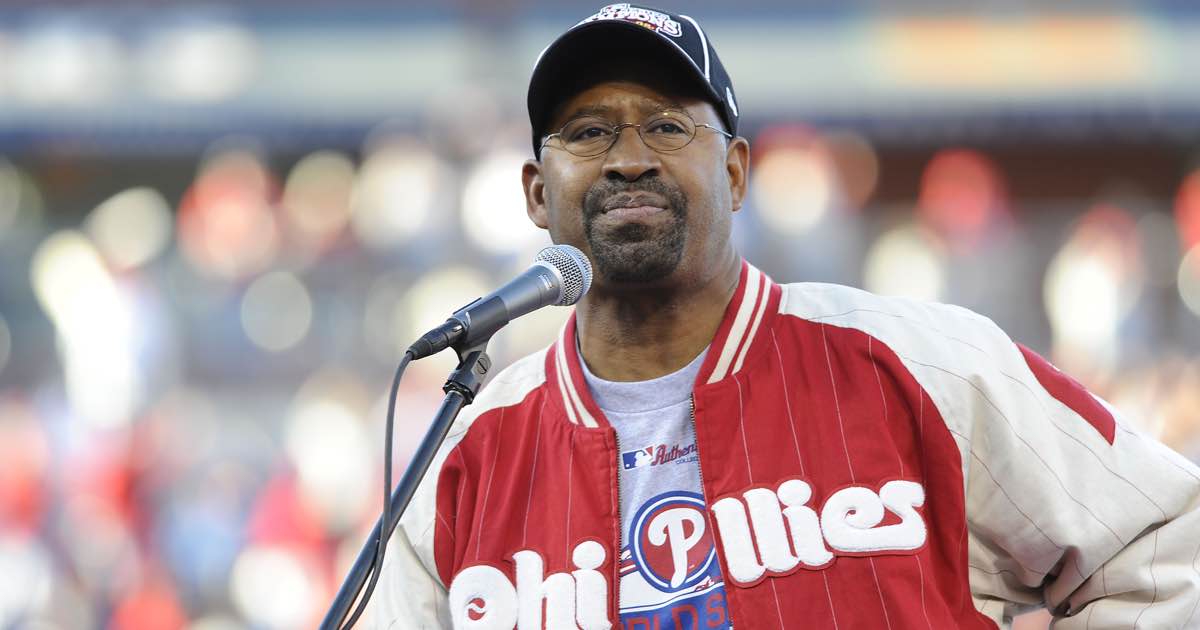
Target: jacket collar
(737,343)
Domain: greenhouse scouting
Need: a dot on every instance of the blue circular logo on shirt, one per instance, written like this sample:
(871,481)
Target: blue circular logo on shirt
(669,541)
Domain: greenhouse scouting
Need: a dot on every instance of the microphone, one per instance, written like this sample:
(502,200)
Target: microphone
(560,275)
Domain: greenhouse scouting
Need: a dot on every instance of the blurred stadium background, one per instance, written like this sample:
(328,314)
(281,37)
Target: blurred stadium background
(220,224)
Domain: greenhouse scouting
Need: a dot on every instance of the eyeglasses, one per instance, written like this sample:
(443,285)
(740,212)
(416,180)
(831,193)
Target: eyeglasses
(589,136)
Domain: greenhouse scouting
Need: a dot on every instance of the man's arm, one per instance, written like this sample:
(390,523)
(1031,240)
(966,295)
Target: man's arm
(1068,504)
(409,595)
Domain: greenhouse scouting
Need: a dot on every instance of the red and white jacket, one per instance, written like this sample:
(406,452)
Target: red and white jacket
(867,462)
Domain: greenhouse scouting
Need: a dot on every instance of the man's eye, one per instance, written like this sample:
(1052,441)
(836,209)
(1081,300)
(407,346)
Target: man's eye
(589,132)
(666,127)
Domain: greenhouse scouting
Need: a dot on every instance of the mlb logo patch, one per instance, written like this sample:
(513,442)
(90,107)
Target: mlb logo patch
(638,458)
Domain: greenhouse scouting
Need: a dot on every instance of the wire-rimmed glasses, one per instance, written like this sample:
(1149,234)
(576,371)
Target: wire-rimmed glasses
(665,131)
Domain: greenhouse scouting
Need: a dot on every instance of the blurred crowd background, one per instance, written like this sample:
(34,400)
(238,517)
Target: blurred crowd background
(221,224)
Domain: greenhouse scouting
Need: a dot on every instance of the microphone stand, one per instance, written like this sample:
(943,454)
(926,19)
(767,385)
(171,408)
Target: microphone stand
(461,386)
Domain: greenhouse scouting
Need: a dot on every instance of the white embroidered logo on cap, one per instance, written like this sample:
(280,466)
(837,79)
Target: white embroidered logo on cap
(654,20)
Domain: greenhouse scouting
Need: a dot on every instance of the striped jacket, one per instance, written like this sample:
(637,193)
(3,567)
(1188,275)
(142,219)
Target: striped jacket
(867,462)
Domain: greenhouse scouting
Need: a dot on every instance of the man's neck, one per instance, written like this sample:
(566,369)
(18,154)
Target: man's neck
(640,335)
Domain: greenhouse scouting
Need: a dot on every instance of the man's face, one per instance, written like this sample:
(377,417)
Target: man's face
(645,218)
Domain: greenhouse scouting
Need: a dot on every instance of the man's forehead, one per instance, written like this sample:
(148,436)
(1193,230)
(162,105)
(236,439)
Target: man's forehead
(616,98)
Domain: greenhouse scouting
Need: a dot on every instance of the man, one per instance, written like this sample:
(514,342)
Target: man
(704,448)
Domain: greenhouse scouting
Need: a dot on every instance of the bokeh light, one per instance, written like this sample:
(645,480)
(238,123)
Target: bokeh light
(316,199)
(961,191)
(493,206)
(10,195)
(227,225)
(1081,296)
(21,202)
(333,457)
(275,588)
(1091,285)
(26,581)
(66,65)
(25,475)
(1187,210)
(1159,243)
(906,261)
(203,62)
(463,119)
(107,559)
(5,343)
(215,622)
(276,311)
(794,185)
(153,604)
(95,325)
(394,193)
(1189,280)
(385,318)
(857,166)
(131,227)
(435,296)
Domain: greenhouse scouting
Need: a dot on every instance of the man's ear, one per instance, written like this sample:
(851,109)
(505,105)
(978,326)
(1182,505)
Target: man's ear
(737,166)
(535,193)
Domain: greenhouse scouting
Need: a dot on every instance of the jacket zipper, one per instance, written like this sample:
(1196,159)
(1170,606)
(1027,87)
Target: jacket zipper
(703,496)
(696,436)
(620,532)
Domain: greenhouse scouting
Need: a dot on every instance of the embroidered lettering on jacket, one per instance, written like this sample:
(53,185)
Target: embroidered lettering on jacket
(483,598)
(762,523)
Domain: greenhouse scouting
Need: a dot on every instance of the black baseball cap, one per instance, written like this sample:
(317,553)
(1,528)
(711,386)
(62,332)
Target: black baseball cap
(675,42)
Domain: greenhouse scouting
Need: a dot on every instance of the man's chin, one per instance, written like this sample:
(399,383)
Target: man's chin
(635,265)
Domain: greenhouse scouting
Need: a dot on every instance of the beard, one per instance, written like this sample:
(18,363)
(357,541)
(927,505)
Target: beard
(635,253)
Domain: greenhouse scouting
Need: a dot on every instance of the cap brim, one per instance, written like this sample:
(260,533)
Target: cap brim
(585,45)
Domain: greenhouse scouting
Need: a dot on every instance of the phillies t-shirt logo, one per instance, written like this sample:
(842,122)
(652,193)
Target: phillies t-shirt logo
(670,578)
(668,541)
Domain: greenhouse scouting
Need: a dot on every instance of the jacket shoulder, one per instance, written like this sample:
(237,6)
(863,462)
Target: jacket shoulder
(950,350)
(512,385)
(817,300)
(899,322)
(509,387)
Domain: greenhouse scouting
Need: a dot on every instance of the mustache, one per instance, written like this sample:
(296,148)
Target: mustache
(596,196)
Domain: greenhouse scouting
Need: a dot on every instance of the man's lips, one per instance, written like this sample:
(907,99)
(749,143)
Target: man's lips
(634,213)
(634,200)
(627,206)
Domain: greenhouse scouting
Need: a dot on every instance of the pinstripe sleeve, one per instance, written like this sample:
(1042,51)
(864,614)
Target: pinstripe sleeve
(409,595)
(1066,503)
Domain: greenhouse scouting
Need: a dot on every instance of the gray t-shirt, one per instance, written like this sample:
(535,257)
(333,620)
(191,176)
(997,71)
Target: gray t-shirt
(669,570)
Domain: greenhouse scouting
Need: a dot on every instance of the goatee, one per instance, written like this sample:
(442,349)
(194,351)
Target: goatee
(635,253)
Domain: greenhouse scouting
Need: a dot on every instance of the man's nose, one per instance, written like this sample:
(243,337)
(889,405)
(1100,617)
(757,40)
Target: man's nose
(629,158)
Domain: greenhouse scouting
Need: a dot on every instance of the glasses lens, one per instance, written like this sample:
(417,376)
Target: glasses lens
(668,131)
(587,136)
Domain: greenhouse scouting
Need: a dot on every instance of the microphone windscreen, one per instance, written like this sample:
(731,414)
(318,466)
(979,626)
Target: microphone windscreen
(573,266)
